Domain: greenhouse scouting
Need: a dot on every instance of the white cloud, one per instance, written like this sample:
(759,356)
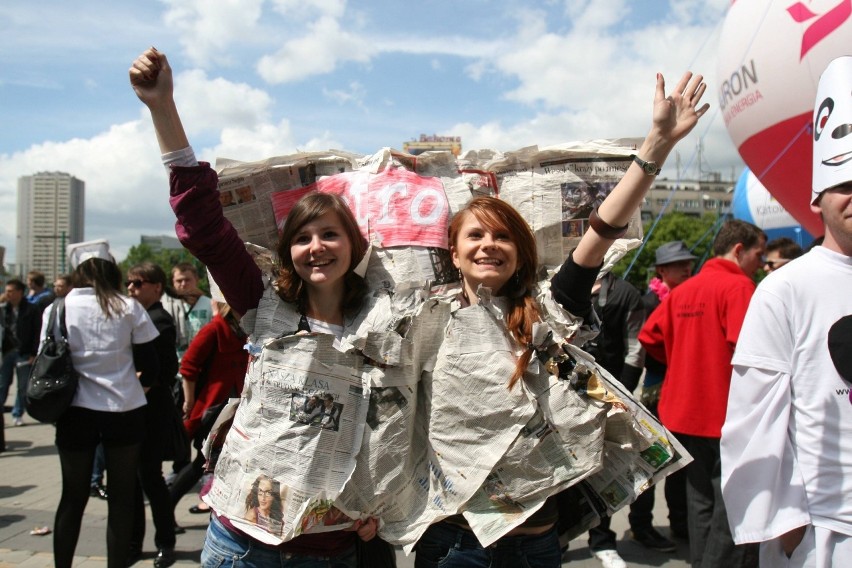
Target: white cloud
(307,8)
(207,30)
(325,45)
(355,95)
(214,104)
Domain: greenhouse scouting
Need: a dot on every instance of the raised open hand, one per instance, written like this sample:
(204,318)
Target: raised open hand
(677,114)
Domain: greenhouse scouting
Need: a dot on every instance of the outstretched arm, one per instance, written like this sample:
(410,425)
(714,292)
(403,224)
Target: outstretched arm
(151,79)
(674,117)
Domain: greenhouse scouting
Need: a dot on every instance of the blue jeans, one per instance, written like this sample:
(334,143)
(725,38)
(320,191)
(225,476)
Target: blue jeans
(13,363)
(225,548)
(445,545)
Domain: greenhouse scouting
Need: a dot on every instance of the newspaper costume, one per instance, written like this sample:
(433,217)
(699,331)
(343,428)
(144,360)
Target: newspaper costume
(787,440)
(381,462)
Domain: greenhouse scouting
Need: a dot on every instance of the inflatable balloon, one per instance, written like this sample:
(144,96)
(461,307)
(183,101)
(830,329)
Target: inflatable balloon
(771,55)
(753,203)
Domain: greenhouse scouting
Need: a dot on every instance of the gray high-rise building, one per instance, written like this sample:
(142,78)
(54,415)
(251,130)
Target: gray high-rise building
(50,216)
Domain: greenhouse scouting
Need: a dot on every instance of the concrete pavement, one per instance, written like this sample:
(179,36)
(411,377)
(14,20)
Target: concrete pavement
(30,486)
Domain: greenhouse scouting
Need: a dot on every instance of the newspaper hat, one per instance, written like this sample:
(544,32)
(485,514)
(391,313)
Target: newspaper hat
(833,127)
(80,252)
(673,252)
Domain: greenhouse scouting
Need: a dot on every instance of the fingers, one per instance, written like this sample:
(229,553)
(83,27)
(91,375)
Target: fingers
(367,529)
(681,86)
(148,65)
(661,88)
(696,87)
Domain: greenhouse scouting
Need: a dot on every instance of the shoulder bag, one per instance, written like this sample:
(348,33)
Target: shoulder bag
(53,380)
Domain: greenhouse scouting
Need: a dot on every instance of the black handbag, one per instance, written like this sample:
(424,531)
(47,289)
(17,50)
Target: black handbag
(53,380)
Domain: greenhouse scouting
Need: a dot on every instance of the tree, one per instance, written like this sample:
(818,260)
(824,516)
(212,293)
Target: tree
(166,259)
(696,233)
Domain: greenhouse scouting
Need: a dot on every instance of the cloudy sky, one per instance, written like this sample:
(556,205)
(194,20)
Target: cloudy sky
(258,78)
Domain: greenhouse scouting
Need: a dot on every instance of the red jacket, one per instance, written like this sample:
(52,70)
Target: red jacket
(219,351)
(694,331)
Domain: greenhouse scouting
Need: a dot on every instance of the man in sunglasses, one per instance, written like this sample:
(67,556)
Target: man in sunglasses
(779,252)
(787,439)
(146,283)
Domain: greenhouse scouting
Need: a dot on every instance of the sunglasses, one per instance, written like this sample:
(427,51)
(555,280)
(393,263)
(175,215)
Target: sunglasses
(773,264)
(137,283)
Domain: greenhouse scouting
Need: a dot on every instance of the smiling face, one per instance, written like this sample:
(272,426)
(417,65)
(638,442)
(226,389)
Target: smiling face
(321,252)
(484,256)
(832,127)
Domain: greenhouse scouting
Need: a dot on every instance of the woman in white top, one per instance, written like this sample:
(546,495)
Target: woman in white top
(104,327)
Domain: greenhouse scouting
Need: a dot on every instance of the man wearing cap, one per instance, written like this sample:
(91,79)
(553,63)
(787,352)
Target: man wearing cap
(787,439)
(694,331)
(674,264)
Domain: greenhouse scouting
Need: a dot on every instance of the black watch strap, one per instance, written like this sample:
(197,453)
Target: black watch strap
(650,168)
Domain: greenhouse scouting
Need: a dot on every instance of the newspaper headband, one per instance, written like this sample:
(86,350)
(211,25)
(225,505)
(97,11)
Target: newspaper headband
(80,252)
(832,161)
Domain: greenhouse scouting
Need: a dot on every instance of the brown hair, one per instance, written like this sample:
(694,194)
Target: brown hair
(786,247)
(105,277)
(734,232)
(291,288)
(497,215)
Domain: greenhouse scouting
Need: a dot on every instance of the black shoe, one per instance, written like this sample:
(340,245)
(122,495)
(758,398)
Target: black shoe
(165,558)
(196,510)
(98,490)
(650,538)
(179,529)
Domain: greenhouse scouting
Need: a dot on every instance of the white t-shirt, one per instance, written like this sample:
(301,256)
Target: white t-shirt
(787,439)
(102,352)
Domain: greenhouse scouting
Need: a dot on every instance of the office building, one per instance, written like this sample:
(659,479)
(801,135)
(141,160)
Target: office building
(50,216)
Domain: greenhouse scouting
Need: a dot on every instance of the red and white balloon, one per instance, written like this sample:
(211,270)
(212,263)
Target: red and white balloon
(771,55)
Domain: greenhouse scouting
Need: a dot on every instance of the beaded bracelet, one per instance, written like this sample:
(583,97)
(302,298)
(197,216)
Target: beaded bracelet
(603,228)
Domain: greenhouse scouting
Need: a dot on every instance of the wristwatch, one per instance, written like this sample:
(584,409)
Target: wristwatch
(650,168)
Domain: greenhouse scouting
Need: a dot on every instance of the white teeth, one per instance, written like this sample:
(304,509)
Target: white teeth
(320,263)
(489,261)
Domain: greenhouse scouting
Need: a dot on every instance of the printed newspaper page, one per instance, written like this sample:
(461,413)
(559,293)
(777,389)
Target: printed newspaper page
(293,443)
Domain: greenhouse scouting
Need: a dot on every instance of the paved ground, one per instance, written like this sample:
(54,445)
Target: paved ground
(30,486)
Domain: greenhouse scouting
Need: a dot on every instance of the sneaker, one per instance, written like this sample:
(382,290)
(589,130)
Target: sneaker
(610,559)
(650,538)
(19,421)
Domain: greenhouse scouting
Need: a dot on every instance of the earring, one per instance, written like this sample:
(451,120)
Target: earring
(461,278)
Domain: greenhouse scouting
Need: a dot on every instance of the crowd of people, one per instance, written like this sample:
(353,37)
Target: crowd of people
(749,379)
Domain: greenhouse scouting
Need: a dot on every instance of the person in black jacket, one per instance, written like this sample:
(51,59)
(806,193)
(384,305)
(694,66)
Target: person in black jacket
(146,283)
(674,264)
(21,324)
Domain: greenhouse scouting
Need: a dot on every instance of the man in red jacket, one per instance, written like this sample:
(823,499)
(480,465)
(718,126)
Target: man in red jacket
(694,331)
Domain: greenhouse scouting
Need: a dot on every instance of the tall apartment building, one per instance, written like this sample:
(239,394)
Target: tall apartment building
(50,216)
